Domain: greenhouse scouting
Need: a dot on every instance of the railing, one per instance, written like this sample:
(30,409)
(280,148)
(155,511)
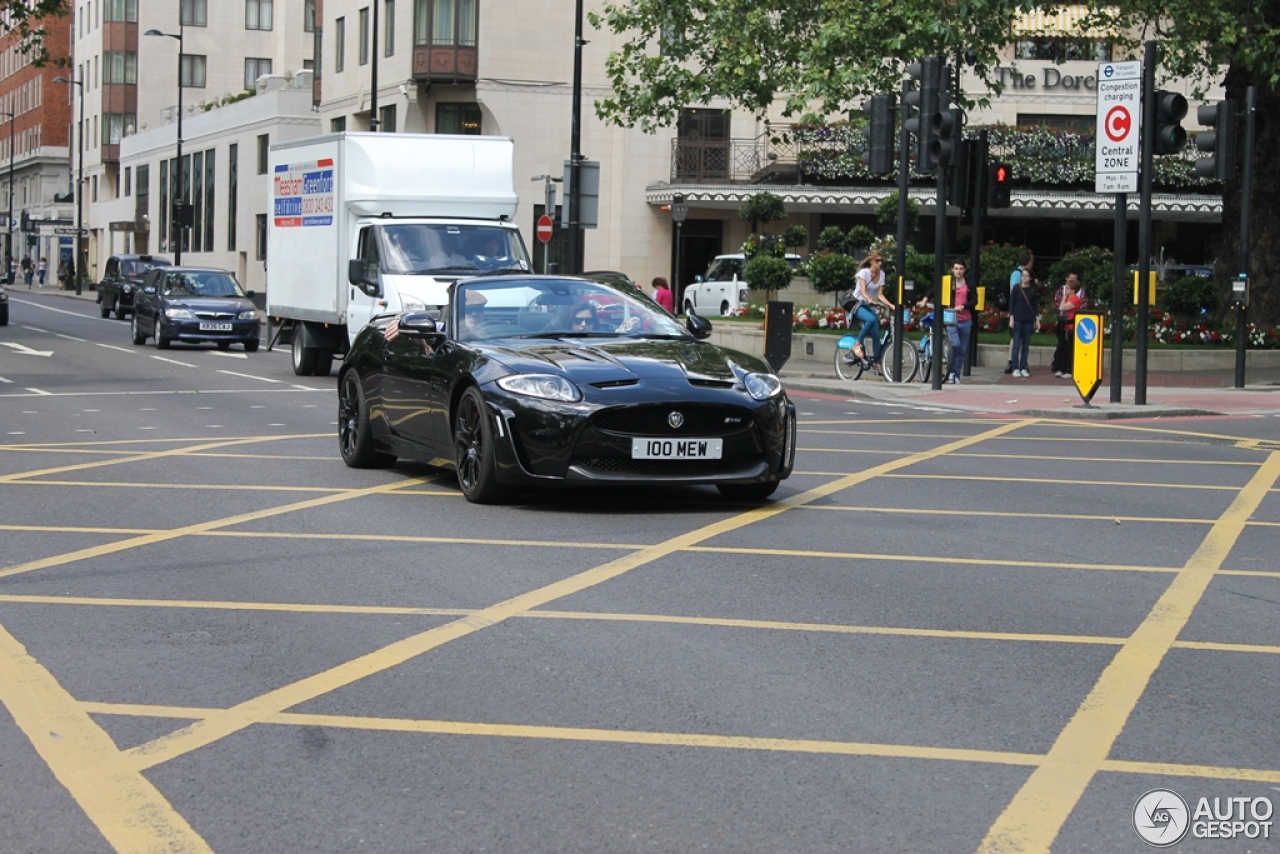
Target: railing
(732,161)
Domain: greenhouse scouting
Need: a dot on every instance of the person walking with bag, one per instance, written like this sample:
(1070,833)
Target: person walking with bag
(1069,299)
(1024,315)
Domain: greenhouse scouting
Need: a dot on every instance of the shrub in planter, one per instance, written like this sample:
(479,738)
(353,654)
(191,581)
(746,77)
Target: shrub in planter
(1190,295)
(763,208)
(832,273)
(859,238)
(795,236)
(767,273)
(831,239)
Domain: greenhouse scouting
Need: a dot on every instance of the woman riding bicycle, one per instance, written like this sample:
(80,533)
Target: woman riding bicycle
(869,289)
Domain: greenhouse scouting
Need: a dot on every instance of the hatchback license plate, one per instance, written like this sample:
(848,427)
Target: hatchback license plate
(215,327)
(676,449)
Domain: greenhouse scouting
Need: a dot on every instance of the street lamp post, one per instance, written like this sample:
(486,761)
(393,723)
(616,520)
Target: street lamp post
(179,208)
(78,263)
(8,237)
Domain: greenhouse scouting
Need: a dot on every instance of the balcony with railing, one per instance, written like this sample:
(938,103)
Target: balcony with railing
(765,159)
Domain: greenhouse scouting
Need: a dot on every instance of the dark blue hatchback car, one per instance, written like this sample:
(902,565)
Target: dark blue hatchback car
(194,305)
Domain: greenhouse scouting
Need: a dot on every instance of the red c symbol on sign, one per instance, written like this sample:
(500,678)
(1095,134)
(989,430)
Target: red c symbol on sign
(1117,124)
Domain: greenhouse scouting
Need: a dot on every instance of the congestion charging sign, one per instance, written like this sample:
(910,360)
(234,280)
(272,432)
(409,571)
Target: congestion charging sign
(1119,125)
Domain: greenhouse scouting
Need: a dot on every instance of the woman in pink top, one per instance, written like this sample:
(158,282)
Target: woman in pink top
(662,294)
(1069,300)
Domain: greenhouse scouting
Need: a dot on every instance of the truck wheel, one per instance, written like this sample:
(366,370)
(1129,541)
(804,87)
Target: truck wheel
(324,363)
(688,307)
(724,309)
(304,358)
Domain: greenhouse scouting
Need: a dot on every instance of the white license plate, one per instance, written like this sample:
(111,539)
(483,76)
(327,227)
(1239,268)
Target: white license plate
(215,327)
(676,449)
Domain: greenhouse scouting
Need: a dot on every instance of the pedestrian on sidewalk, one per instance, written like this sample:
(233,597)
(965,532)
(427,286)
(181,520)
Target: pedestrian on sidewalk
(1068,300)
(42,268)
(28,270)
(1021,272)
(1024,316)
(662,294)
(964,296)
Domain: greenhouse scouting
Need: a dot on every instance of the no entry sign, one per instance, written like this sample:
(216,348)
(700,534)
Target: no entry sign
(1119,122)
(544,228)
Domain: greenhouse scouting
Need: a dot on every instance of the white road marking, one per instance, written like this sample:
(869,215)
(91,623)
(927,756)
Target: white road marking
(39,391)
(24,350)
(173,361)
(252,377)
(228,355)
(114,347)
(70,337)
(6,380)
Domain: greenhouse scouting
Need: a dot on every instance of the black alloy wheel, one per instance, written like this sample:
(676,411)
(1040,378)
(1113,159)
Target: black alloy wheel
(355,438)
(474,451)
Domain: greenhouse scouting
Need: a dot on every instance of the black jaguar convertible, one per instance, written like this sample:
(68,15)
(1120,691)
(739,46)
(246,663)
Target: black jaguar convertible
(526,381)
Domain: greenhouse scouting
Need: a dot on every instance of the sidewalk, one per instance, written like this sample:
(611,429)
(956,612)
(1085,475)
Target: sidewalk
(990,390)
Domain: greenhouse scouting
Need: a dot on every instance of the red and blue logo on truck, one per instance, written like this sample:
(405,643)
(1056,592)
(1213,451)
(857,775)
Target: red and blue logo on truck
(303,194)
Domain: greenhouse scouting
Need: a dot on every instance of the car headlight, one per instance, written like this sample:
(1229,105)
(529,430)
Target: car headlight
(545,386)
(251,314)
(128,289)
(762,386)
(413,304)
(179,314)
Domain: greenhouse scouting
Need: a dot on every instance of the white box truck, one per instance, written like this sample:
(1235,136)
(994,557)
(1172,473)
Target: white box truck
(363,224)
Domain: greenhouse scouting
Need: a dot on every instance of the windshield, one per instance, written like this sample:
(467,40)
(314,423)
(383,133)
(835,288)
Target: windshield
(558,308)
(138,269)
(431,248)
(202,285)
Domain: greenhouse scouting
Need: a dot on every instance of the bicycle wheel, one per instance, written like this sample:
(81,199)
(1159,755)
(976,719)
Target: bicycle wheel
(847,367)
(910,362)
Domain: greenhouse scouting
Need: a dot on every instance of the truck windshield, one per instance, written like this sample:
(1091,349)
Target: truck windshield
(434,248)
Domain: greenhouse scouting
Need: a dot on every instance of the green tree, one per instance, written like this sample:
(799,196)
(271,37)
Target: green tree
(1096,267)
(31,20)
(768,273)
(763,208)
(830,54)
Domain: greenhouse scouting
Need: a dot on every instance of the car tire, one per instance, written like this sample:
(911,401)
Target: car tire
(748,491)
(115,306)
(304,358)
(251,345)
(162,343)
(474,452)
(4,316)
(355,437)
(103,308)
(138,338)
(724,309)
(222,345)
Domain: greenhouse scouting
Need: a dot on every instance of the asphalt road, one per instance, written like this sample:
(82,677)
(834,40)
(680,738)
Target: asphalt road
(948,632)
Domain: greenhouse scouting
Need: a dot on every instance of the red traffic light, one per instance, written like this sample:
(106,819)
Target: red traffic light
(1000,195)
(1000,173)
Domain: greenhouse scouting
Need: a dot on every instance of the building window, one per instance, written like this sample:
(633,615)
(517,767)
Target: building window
(120,66)
(233,190)
(193,71)
(338,125)
(264,153)
(257,14)
(339,47)
(364,36)
(195,13)
(253,69)
(389,28)
(444,23)
(387,119)
(260,241)
(1062,49)
(115,124)
(309,16)
(458,118)
(128,181)
(209,195)
(120,10)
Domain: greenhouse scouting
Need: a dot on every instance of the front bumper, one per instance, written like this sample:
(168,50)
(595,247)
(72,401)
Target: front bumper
(189,330)
(547,443)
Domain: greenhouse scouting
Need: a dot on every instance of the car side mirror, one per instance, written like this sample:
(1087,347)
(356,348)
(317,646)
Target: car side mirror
(357,277)
(419,324)
(250,294)
(698,325)
(697,278)
(149,289)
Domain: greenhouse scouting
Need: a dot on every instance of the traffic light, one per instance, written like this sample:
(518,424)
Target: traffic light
(1171,108)
(963,171)
(925,99)
(1001,176)
(879,154)
(946,127)
(1220,144)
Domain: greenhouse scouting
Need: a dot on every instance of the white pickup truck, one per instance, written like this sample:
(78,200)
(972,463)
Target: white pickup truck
(722,288)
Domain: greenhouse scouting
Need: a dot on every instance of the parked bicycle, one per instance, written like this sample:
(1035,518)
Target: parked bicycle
(849,367)
(926,349)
